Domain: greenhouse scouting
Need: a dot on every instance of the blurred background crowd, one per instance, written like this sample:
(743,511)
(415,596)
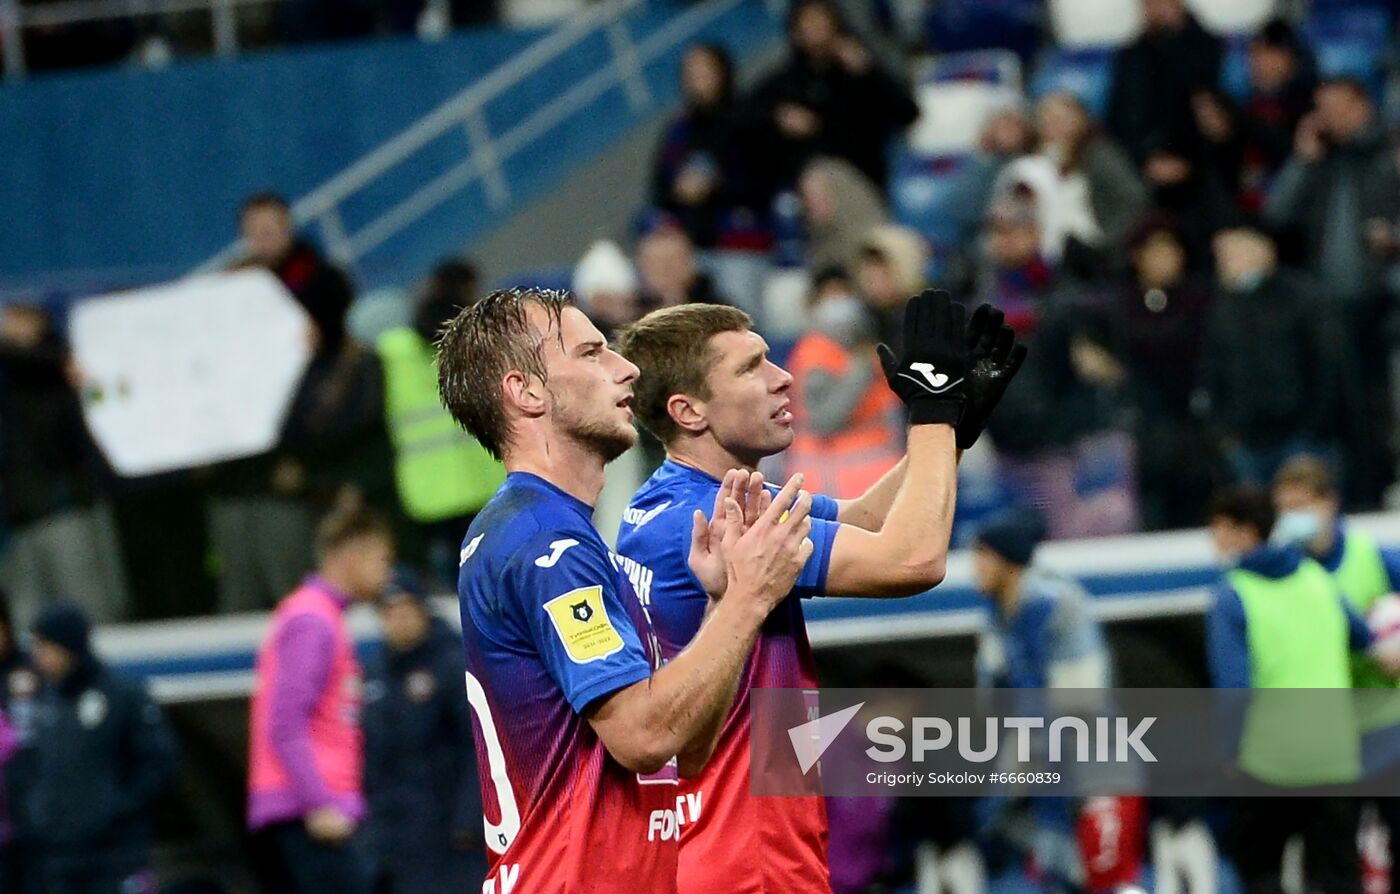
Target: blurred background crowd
(1135,231)
(1197,235)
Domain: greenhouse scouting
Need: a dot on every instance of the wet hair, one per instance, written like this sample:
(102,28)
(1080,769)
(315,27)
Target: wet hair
(480,346)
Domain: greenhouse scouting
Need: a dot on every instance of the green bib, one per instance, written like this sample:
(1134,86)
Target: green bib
(441,471)
(1297,636)
(1363,578)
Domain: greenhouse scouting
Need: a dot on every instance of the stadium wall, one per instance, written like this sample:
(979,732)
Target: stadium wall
(129,176)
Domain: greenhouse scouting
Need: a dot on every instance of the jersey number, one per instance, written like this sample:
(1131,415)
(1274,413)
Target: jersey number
(499,835)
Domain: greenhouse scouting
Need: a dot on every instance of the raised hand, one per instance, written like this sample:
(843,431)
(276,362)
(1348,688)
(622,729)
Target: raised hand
(928,372)
(993,357)
(707,536)
(763,561)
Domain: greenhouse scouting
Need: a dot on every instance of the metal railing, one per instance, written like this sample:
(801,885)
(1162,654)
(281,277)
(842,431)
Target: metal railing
(15,19)
(487,152)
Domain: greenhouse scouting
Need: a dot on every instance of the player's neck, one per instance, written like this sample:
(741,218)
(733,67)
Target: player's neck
(564,463)
(709,456)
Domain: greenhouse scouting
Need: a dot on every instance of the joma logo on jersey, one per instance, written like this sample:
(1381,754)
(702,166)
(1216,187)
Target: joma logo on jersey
(637,517)
(663,826)
(470,549)
(638,575)
(556,549)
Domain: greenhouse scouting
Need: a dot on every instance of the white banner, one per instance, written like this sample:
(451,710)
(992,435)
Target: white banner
(190,373)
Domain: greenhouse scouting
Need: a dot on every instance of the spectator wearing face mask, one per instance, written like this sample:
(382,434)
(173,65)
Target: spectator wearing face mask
(1309,517)
(1279,621)
(847,420)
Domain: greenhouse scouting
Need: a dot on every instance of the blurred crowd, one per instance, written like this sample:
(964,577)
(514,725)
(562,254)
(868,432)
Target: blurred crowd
(1205,280)
(1199,276)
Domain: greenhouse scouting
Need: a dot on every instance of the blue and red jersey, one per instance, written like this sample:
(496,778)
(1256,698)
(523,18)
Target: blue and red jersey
(552,622)
(732,841)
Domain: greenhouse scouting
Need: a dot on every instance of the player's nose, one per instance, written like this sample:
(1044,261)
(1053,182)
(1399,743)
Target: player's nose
(780,378)
(626,371)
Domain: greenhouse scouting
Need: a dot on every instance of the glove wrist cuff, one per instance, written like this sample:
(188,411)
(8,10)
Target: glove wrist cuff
(935,412)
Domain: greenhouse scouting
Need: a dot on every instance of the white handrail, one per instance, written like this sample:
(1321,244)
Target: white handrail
(14,18)
(487,153)
(71,12)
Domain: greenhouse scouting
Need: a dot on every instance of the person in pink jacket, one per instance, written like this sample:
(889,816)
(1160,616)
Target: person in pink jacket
(305,797)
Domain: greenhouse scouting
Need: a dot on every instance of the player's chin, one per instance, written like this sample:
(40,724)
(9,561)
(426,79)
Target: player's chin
(780,438)
(616,442)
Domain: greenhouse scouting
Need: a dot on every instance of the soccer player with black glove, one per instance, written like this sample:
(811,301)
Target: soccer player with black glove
(708,391)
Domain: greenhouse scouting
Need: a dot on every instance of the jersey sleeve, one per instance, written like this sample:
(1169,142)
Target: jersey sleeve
(568,590)
(812,581)
(824,507)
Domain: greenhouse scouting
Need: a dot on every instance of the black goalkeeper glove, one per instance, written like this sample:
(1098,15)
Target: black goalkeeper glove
(928,373)
(992,360)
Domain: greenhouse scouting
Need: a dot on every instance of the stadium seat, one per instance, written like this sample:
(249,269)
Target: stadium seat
(954,26)
(1088,74)
(951,115)
(1082,24)
(992,67)
(922,191)
(1351,42)
(1234,72)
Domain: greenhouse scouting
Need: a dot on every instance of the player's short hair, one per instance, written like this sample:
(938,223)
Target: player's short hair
(1307,472)
(260,200)
(483,343)
(347,523)
(1244,505)
(671,347)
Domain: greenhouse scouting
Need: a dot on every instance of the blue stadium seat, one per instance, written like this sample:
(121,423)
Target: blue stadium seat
(1234,73)
(999,68)
(1350,41)
(1087,74)
(921,192)
(1328,6)
(954,26)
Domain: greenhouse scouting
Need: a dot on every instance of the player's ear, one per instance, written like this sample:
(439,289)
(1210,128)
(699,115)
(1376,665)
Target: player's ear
(524,392)
(687,412)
